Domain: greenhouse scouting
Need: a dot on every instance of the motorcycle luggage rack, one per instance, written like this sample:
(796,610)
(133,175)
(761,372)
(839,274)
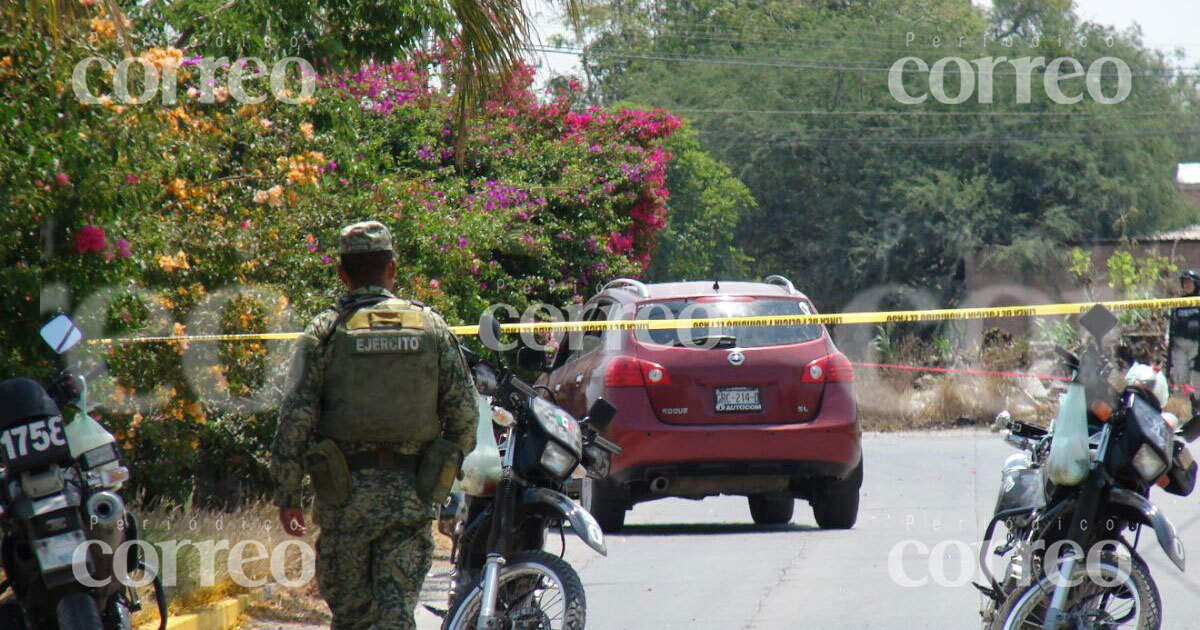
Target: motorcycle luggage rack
(629,284)
(782,282)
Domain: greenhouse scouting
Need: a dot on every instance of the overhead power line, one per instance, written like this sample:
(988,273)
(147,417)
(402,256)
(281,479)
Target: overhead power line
(918,113)
(857,138)
(811,64)
(922,30)
(946,47)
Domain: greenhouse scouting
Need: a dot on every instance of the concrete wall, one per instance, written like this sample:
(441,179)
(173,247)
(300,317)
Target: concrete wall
(992,286)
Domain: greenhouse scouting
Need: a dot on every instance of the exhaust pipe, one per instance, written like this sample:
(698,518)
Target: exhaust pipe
(105,509)
(659,485)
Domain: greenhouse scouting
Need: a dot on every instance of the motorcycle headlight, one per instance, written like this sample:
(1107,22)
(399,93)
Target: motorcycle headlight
(559,425)
(1148,463)
(557,460)
(100,456)
(1146,442)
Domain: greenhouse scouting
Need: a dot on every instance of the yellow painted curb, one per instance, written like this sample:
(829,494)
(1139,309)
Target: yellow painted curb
(222,615)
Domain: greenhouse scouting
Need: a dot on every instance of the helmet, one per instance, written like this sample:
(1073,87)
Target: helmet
(1190,274)
(24,399)
(1149,378)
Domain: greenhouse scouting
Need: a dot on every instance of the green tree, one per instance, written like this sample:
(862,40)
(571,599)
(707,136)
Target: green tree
(490,34)
(854,188)
(707,203)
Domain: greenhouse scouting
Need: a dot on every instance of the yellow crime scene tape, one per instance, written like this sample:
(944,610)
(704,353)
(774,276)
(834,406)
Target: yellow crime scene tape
(877,317)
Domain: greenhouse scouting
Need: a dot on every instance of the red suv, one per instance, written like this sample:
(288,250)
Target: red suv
(765,412)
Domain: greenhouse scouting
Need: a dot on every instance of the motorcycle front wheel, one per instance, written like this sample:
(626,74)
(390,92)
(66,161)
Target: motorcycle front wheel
(1131,602)
(78,611)
(538,591)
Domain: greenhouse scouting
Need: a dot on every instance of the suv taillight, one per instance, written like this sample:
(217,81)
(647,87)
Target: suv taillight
(832,368)
(631,372)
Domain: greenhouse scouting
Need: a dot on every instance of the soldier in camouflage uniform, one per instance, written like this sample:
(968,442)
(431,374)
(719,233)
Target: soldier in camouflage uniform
(375,545)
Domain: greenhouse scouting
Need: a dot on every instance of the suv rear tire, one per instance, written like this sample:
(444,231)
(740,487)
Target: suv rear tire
(836,507)
(605,501)
(772,509)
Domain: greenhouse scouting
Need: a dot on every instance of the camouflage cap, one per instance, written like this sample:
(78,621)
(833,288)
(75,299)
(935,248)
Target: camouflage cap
(364,236)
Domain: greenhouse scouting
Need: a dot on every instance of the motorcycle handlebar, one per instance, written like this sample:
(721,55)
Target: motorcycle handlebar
(608,445)
(63,386)
(521,386)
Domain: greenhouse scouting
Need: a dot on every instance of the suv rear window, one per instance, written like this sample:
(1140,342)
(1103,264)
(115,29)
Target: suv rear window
(746,336)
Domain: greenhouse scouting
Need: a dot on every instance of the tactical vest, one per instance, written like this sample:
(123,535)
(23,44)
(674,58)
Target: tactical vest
(1185,323)
(381,376)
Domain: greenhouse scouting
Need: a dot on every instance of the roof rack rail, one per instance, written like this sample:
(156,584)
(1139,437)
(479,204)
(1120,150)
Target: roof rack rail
(628,284)
(781,281)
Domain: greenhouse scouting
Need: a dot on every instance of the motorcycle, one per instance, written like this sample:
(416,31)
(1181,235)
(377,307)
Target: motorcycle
(61,512)
(1074,520)
(502,577)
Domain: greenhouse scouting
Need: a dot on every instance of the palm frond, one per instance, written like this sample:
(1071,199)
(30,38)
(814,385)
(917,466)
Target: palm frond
(491,40)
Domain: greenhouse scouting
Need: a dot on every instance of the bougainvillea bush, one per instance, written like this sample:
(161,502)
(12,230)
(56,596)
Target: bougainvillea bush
(223,217)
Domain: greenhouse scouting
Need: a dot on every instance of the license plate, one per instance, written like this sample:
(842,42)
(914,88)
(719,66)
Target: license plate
(58,551)
(738,399)
(34,443)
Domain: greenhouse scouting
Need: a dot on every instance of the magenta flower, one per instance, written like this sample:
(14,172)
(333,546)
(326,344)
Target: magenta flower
(63,179)
(246,225)
(462,241)
(90,239)
(124,249)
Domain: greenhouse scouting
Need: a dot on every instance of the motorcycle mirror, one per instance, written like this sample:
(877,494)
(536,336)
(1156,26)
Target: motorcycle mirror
(531,360)
(61,334)
(601,414)
(1099,321)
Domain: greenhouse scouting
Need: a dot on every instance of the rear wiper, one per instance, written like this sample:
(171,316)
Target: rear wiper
(722,340)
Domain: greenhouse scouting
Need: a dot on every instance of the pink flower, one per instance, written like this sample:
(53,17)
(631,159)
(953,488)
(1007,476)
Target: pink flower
(131,179)
(246,225)
(90,239)
(63,179)
(124,250)
(434,284)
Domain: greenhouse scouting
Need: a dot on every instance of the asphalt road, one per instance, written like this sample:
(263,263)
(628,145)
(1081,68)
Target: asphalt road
(702,565)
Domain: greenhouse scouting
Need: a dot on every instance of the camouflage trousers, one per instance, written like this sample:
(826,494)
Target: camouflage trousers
(373,552)
(1183,362)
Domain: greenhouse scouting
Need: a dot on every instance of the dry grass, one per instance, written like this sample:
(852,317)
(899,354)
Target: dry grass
(897,402)
(891,402)
(191,591)
(254,522)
